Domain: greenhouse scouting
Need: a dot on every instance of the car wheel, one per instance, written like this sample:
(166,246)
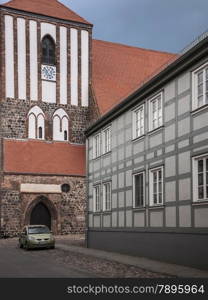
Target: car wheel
(52,247)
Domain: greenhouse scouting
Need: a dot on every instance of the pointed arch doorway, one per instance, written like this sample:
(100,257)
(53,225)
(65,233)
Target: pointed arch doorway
(40,215)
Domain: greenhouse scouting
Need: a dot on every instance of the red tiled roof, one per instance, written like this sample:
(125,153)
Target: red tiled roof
(117,70)
(39,157)
(52,8)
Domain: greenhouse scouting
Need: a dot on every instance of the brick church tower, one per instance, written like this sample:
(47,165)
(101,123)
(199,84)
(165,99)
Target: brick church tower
(45,69)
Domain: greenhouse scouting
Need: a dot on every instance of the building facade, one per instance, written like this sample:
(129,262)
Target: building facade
(45,79)
(148,167)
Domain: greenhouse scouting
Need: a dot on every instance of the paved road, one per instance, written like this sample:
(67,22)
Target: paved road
(18,263)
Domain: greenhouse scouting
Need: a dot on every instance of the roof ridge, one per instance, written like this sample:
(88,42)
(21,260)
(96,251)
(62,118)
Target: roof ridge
(134,47)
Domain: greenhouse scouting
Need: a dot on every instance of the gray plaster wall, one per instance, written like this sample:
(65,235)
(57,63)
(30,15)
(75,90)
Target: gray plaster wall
(184,134)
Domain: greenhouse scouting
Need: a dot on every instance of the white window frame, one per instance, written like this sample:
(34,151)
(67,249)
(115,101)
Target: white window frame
(138,122)
(105,195)
(97,145)
(159,112)
(195,104)
(195,177)
(134,190)
(151,187)
(106,140)
(97,198)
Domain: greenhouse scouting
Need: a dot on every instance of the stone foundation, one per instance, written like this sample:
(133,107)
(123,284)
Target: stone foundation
(67,209)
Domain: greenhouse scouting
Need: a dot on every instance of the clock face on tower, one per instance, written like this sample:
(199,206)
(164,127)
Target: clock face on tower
(48,72)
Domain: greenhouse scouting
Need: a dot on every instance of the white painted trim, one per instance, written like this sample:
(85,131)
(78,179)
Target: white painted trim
(104,196)
(195,177)
(21,58)
(48,29)
(144,185)
(74,66)
(151,202)
(63,65)
(194,86)
(9,56)
(33,61)
(94,197)
(151,112)
(40,188)
(85,68)
(107,129)
(134,136)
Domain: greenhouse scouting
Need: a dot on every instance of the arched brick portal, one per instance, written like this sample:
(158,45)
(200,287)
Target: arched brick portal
(51,207)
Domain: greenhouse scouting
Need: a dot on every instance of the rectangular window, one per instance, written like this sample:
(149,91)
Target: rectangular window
(138,122)
(155,112)
(200,178)
(156,186)
(107,196)
(200,87)
(139,189)
(96,197)
(96,146)
(107,140)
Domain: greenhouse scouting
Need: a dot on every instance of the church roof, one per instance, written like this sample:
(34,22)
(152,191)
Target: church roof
(39,157)
(52,8)
(118,70)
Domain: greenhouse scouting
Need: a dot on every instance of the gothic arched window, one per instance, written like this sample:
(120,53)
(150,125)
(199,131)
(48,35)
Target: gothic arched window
(48,51)
(36,123)
(60,125)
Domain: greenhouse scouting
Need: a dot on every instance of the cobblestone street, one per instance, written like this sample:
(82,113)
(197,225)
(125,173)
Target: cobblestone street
(60,263)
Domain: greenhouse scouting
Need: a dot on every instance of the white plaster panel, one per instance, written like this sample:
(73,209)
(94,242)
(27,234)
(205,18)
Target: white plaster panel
(32,127)
(106,221)
(114,219)
(184,162)
(170,191)
(9,56)
(40,188)
(33,61)
(50,29)
(129,218)
(121,218)
(85,67)
(74,66)
(21,45)
(185,216)
(170,216)
(49,92)
(185,189)
(184,83)
(129,201)
(200,120)
(63,65)
(156,219)
(139,219)
(201,217)
(170,166)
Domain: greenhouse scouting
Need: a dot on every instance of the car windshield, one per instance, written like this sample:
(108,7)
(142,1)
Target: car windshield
(38,230)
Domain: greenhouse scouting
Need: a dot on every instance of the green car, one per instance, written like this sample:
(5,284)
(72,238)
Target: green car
(36,236)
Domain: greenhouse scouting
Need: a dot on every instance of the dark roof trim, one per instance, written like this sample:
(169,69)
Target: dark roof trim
(155,83)
(42,16)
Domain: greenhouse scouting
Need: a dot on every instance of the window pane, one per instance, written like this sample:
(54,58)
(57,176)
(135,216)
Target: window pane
(200,89)
(155,198)
(139,190)
(201,179)
(160,198)
(200,101)
(201,192)
(200,166)
(200,77)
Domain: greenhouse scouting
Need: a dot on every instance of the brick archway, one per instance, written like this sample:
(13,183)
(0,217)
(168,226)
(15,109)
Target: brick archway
(52,209)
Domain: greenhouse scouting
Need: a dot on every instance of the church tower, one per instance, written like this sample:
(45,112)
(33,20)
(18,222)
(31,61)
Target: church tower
(45,69)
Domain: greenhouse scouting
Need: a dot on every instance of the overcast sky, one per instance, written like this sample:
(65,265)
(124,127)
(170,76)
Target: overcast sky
(167,25)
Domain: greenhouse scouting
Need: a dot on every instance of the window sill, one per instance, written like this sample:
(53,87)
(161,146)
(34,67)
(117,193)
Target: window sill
(199,109)
(156,130)
(200,202)
(142,208)
(161,206)
(107,153)
(107,212)
(138,138)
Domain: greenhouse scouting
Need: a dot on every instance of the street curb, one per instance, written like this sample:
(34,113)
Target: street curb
(140,262)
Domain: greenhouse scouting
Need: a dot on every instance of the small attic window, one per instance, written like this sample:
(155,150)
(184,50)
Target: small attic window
(48,51)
